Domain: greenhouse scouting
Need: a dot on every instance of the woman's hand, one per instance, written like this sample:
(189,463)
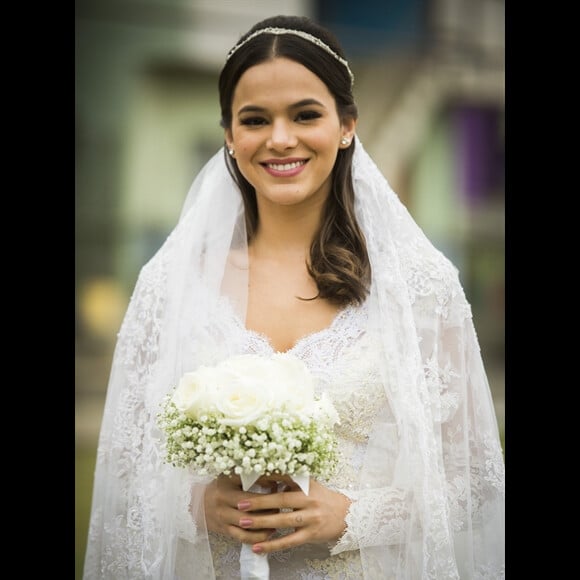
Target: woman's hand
(222,515)
(317,518)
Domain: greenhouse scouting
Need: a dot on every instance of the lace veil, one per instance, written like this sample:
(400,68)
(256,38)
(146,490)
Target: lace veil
(145,521)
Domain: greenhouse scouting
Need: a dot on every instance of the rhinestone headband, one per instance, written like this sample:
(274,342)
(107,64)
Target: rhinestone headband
(301,34)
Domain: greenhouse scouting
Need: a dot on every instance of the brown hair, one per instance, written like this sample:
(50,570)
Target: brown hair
(339,262)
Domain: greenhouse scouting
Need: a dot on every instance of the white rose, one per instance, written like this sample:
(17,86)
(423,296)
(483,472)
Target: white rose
(246,387)
(244,393)
(324,412)
(249,365)
(294,382)
(193,394)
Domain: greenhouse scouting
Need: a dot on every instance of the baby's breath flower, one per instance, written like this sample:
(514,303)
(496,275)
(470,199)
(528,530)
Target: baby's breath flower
(294,438)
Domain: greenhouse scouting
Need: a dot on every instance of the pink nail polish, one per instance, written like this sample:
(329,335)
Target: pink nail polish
(245,523)
(244,505)
(257,549)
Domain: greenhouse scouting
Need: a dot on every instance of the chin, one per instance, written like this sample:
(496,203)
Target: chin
(288,196)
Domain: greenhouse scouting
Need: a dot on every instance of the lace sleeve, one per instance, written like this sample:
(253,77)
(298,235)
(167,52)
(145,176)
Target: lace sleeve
(375,517)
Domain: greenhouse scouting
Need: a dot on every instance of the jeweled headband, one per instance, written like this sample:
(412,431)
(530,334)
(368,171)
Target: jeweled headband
(300,33)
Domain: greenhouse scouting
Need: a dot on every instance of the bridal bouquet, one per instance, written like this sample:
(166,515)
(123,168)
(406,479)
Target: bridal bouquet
(251,415)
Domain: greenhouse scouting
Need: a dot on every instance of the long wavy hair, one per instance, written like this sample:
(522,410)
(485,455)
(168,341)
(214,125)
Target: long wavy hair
(338,261)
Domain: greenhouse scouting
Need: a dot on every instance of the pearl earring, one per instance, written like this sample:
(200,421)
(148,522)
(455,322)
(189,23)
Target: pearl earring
(345,141)
(231,152)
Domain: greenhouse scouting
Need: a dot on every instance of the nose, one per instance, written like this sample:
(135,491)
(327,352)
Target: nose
(282,137)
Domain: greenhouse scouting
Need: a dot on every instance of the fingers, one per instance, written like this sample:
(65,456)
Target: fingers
(274,501)
(249,536)
(279,482)
(251,518)
(309,526)
(316,518)
(291,540)
(295,520)
(222,498)
(273,519)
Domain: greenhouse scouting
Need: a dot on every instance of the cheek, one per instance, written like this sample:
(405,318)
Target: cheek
(244,154)
(244,157)
(325,142)
(247,143)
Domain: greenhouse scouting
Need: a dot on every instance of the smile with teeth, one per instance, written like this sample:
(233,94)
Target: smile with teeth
(285,166)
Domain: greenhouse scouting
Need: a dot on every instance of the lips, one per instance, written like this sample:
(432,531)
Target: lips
(286,167)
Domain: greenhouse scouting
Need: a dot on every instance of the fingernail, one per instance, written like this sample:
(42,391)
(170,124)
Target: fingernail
(257,549)
(245,523)
(244,505)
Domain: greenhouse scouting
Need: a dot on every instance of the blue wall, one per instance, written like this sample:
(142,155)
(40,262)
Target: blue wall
(370,26)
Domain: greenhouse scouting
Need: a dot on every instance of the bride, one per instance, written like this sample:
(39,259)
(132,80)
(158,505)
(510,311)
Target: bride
(291,240)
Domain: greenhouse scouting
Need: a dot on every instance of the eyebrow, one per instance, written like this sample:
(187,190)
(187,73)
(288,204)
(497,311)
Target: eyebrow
(298,105)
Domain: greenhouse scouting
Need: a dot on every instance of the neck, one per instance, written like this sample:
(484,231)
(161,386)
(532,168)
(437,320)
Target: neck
(285,231)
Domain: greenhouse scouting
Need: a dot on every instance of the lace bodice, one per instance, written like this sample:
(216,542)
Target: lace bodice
(343,359)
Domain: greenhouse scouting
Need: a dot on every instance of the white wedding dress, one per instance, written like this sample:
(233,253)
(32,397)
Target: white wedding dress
(343,359)
(420,451)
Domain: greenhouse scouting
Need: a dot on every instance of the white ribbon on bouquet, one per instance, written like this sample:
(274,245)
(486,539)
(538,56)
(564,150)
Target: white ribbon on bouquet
(256,566)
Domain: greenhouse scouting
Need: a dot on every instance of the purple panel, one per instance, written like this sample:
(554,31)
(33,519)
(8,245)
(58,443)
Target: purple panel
(477,151)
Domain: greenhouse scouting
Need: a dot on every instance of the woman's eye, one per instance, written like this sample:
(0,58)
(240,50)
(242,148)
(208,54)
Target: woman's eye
(253,121)
(308,115)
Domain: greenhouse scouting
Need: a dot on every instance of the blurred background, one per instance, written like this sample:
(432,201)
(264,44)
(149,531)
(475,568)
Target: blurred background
(429,83)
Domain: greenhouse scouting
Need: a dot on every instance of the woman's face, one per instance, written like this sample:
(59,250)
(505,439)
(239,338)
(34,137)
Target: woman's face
(285,132)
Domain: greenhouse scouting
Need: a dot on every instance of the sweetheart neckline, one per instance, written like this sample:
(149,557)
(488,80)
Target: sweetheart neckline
(338,317)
